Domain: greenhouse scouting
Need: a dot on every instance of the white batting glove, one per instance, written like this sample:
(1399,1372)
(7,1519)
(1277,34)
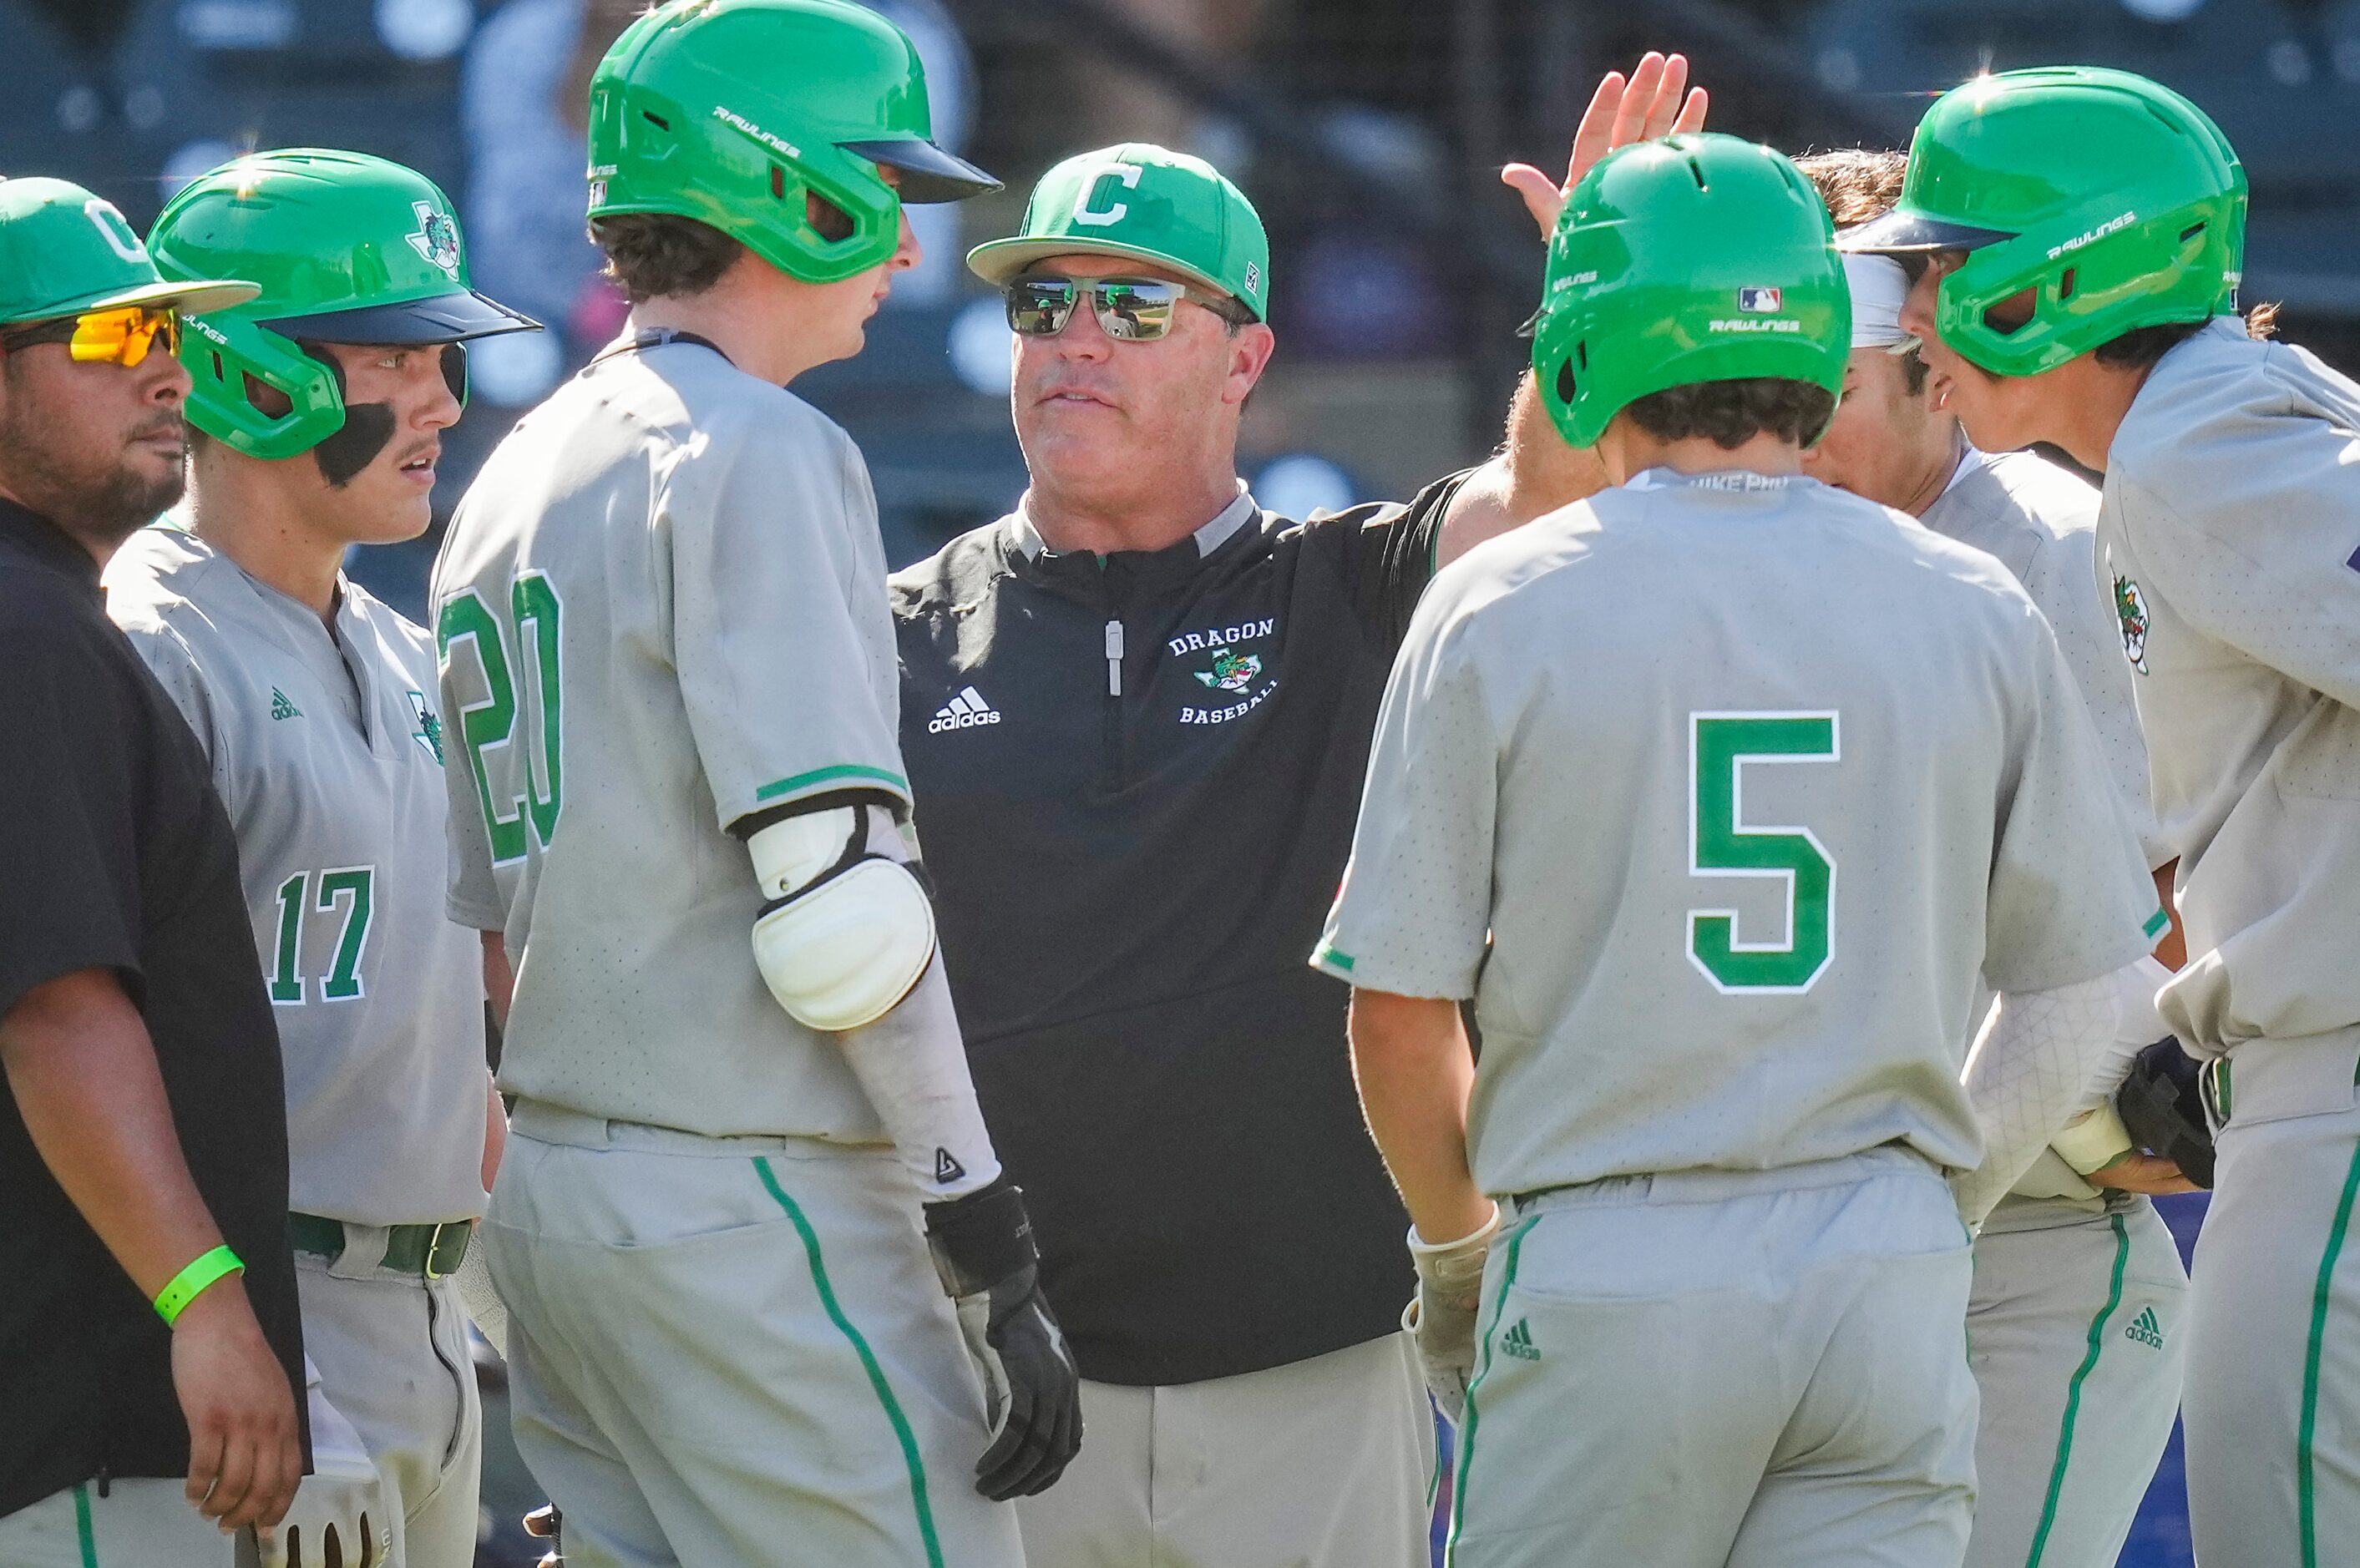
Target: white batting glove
(339,1514)
(1441,1320)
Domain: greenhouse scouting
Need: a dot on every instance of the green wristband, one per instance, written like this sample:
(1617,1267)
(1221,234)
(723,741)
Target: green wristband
(192,1281)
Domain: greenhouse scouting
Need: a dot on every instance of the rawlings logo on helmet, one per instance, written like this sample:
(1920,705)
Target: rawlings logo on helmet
(2120,221)
(437,238)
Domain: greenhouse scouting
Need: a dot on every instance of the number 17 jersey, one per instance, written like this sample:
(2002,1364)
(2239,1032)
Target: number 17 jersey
(1716,793)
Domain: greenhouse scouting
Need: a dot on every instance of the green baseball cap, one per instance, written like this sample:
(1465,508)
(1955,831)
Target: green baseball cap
(64,251)
(1143,200)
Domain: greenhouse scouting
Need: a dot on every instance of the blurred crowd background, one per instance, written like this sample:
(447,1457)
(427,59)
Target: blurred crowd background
(1369,133)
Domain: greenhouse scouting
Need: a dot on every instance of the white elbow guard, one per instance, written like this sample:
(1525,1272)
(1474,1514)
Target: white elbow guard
(847,930)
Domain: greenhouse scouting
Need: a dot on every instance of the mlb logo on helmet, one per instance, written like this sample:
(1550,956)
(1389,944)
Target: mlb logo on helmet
(1757,299)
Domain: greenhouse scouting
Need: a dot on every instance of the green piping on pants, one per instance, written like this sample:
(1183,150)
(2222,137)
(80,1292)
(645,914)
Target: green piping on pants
(2319,1301)
(2073,1395)
(83,1530)
(901,1423)
(1467,1428)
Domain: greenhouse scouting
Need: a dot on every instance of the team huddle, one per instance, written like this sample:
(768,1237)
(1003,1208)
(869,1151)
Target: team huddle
(1810,869)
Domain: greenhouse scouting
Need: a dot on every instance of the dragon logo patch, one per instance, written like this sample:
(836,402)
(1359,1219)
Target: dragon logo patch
(1230,671)
(437,239)
(2130,605)
(429,732)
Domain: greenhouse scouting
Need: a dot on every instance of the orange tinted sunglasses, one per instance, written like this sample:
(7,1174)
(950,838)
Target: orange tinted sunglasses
(121,336)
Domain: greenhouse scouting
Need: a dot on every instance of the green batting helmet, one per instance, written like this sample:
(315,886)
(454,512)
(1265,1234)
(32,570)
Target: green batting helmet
(348,249)
(730,111)
(1698,257)
(2114,200)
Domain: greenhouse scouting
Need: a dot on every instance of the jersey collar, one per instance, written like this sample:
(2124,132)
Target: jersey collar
(1205,540)
(1743,480)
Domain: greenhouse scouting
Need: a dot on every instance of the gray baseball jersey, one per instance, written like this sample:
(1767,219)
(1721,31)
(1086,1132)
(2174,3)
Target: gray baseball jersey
(1746,780)
(661,608)
(2230,546)
(2040,522)
(327,750)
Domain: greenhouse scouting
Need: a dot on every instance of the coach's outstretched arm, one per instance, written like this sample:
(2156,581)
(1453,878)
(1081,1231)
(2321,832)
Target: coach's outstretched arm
(846,941)
(1535,472)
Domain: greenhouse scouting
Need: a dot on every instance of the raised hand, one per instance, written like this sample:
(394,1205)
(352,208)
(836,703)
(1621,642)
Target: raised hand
(1655,99)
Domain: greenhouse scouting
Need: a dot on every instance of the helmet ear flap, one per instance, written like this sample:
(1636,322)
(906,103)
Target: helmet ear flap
(256,391)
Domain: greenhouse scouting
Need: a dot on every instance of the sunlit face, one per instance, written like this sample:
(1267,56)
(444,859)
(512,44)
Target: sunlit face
(1884,438)
(1094,413)
(838,312)
(391,498)
(95,447)
(1996,410)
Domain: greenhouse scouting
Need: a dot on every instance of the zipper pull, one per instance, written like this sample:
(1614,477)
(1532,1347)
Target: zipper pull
(1114,657)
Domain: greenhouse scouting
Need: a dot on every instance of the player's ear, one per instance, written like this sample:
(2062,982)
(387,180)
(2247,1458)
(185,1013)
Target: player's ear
(1250,348)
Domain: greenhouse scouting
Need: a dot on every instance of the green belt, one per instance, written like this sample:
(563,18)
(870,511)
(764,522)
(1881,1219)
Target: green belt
(429,1251)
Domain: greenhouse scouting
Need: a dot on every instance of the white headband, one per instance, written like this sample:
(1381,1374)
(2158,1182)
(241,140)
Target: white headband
(1878,287)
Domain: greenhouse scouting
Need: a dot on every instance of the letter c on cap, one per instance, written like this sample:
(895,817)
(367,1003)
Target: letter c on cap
(1095,218)
(114,229)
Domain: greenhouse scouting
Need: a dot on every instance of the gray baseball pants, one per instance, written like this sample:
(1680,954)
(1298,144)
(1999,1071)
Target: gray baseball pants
(143,1523)
(1760,1369)
(394,1361)
(1327,1463)
(734,1352)
(2077,1335)
(2273,1400)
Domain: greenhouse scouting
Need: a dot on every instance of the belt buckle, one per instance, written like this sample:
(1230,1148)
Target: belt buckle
(434,1247)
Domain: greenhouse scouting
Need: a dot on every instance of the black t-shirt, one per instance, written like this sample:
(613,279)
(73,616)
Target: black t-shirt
(1134,855)
(116,853)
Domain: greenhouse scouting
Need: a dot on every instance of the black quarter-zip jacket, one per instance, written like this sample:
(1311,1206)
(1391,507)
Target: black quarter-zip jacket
(1136,779)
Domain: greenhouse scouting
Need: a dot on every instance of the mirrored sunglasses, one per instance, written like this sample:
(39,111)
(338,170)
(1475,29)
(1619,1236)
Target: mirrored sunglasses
(1129,310)
(120,336)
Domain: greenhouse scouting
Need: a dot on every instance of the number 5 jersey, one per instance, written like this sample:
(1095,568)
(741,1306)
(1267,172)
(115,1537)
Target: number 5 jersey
(1716,793)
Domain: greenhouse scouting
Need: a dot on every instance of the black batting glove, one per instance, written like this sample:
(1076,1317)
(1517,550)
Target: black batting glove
(983,1251)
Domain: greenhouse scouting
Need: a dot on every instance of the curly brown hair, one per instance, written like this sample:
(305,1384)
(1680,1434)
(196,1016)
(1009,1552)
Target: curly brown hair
(654,254)
(1730,413)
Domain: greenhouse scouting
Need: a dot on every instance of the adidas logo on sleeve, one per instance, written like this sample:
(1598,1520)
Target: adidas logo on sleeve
(2145,1329)
(963,711)
(1518,1341)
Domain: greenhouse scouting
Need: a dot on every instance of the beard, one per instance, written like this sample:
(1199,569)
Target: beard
(97,494)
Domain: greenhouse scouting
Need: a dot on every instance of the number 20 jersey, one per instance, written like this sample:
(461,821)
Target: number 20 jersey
(660,608)
(1745,780)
